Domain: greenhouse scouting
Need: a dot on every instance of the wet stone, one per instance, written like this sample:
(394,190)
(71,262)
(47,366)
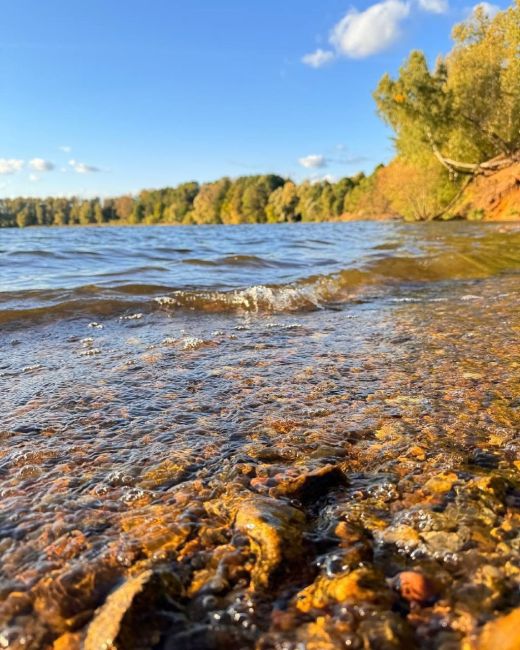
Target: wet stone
(274,530)
(311,486)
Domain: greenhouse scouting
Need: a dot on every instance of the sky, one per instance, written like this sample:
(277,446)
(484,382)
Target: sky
(104,97)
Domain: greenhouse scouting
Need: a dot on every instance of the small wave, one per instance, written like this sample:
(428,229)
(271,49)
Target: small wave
(240,261)
(370,277)
(256,298)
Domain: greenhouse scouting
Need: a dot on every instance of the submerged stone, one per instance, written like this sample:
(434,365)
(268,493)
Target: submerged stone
(104,629)
(501,634)
(359,586)
(274,530)
(312,485)
(415,587)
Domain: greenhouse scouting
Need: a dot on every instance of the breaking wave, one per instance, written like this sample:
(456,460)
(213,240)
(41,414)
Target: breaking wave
(375,277)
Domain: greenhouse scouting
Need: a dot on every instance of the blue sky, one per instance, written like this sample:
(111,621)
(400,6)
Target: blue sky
(107,97)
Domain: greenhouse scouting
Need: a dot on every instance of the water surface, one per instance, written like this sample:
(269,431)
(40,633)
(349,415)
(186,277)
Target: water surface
(162,386)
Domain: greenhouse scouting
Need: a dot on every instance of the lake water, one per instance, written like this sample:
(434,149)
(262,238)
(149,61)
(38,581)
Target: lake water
(68,272)
(348,390)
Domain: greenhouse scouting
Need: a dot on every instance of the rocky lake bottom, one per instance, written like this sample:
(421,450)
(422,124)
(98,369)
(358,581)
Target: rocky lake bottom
(307,479)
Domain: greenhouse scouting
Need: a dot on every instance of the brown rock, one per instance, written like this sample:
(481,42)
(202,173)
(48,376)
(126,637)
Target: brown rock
(361,585)
(104,629)
(312,485)
(274,530)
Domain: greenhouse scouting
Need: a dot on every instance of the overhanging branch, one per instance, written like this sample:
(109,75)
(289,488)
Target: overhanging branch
(492,165)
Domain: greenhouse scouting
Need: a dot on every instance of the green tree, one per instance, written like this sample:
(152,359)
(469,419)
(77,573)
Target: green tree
(208,203)
(26,215)
(467,110)
(86,213)
(99,217)
(283,204)
(123,207)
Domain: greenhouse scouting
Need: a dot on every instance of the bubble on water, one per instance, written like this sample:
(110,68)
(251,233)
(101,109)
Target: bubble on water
(36,366)
(117,477)
(134,494)
(91,352)
(101,489)
(96,326)
(131,317)
(169,340)
(192,343)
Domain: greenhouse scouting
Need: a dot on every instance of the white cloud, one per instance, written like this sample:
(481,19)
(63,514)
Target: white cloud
(83,168)
(319,58)
(434,6)
(363,33)
(313,161)
(66,148)
(41,165)
(489,9)
(329,178)
(34,178)
(10,165)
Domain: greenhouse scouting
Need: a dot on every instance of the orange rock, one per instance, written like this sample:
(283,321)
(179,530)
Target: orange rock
(415,587)
(274,530)
(501,634)
(417,452)
(442,482)
(357,586)
(312,485)
(67,641)
(348,533)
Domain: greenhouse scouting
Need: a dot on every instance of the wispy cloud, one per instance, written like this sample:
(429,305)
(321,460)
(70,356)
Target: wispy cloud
(314,161)
(10,165)
(319,58)
(328,178)
(65,148)
(41,165)
(434,6)
(320,161)
(83,168)
(34,178)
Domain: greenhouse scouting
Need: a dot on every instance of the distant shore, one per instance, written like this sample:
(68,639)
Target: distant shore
(263,199)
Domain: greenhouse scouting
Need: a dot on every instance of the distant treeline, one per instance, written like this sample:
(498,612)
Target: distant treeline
(248,199)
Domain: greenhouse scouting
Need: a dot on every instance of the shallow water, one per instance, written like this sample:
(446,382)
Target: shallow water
(166,393)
